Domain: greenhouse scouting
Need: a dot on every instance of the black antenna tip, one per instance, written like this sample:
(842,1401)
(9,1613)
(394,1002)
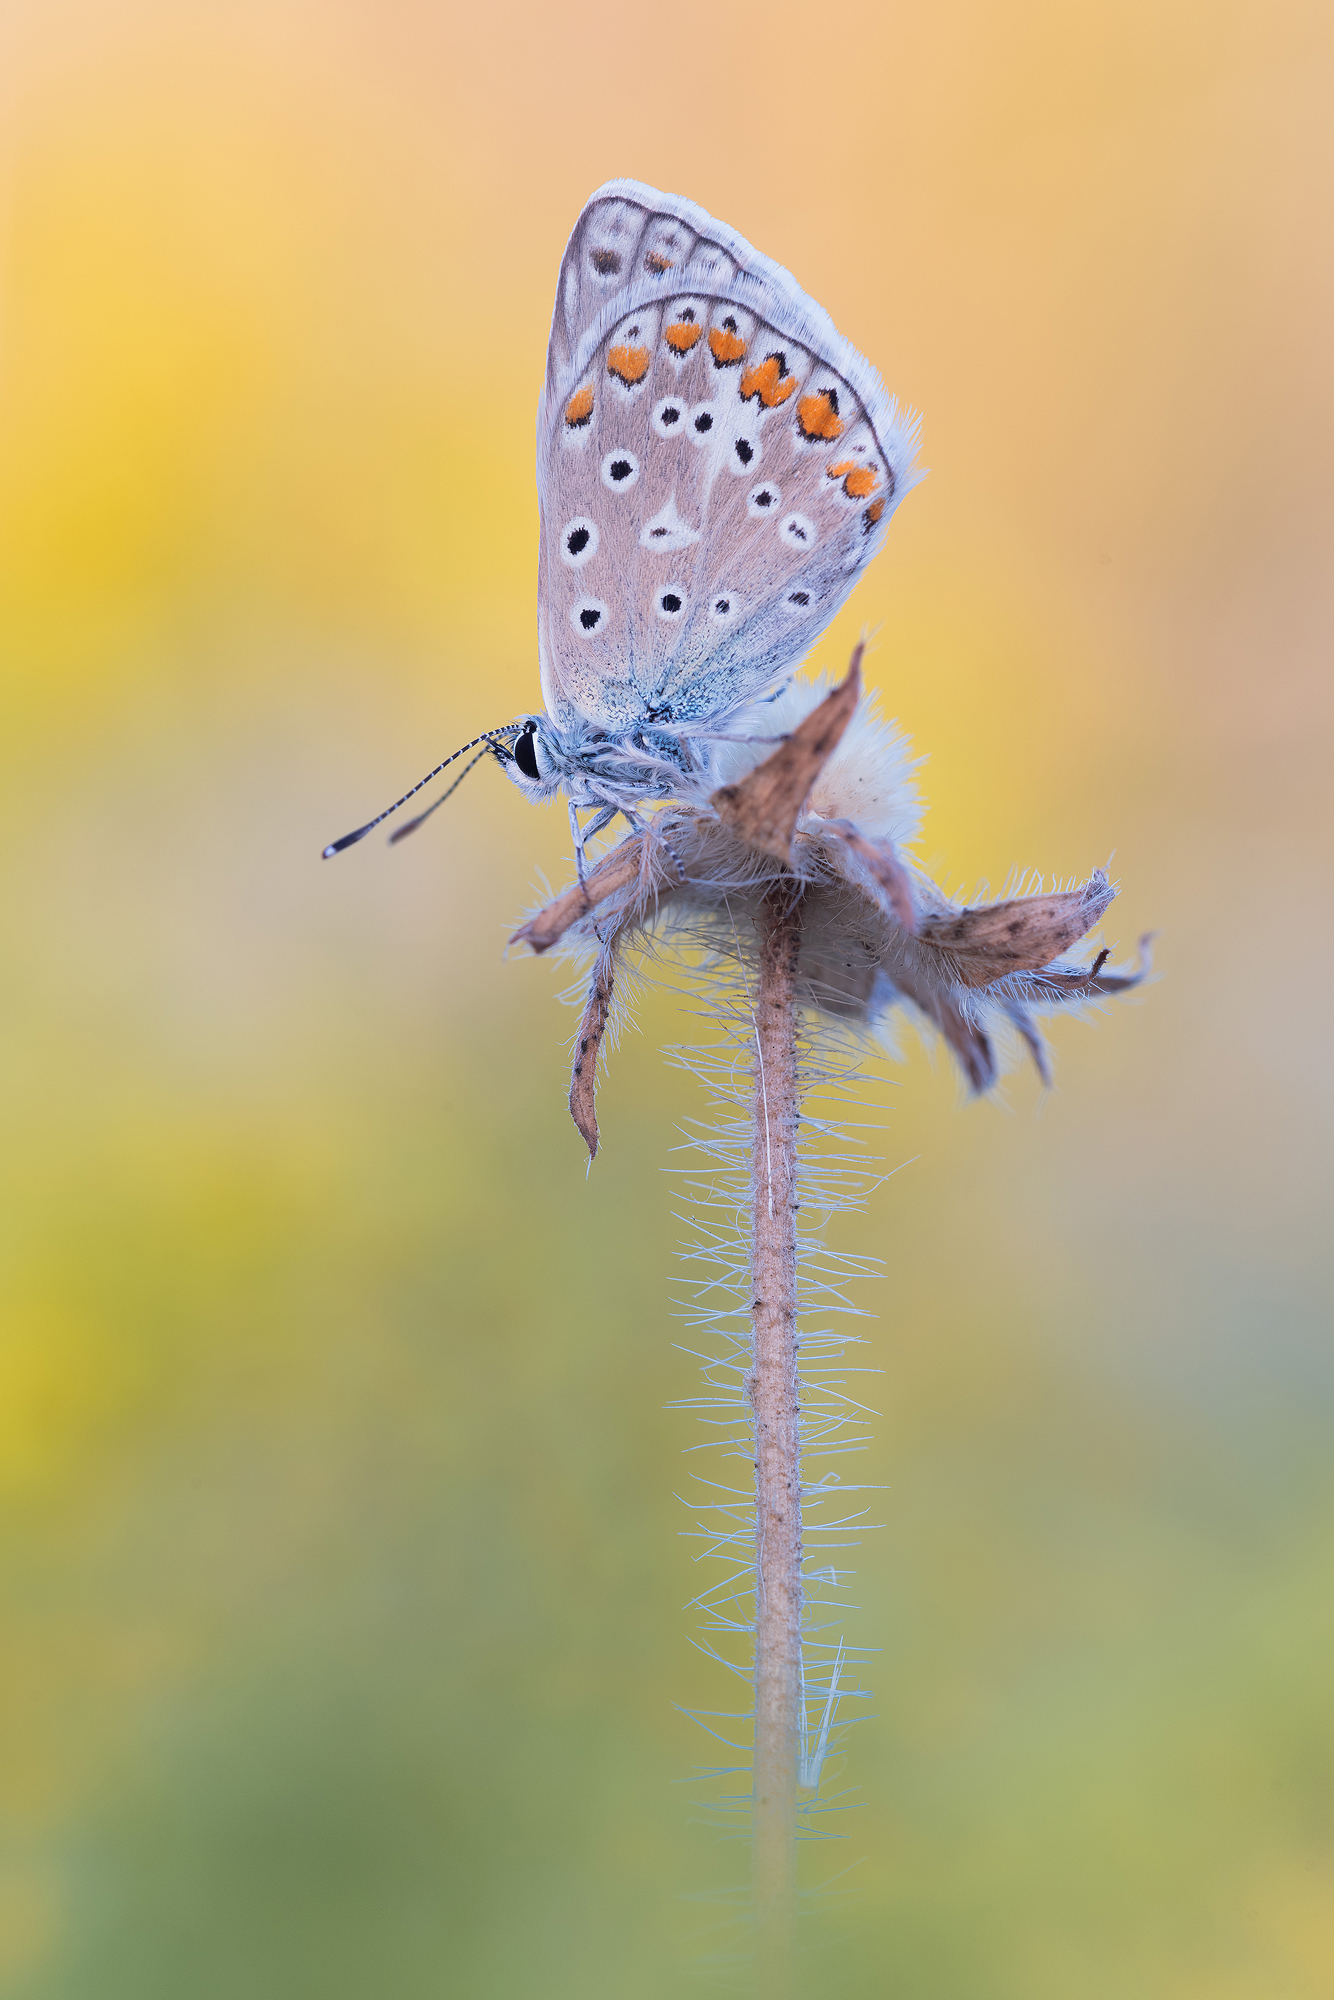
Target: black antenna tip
(402,832)
(348,840)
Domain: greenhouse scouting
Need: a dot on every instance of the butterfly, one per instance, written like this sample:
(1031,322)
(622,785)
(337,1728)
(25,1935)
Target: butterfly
(716,465)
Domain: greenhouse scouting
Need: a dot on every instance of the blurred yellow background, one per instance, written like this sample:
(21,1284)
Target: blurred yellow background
(341,1564)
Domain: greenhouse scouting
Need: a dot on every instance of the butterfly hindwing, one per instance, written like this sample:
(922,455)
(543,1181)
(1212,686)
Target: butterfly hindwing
(715,464)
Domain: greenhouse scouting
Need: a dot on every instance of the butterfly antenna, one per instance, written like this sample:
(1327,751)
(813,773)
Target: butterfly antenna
(402,832)
(490,739)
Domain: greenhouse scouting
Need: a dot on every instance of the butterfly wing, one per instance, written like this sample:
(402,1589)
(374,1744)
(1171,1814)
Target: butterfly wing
(716,466)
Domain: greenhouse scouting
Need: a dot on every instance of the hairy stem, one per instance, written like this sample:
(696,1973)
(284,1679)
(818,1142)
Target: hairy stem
(774,1397)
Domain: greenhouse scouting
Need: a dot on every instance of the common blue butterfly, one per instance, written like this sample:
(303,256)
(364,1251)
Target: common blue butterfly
(716,465)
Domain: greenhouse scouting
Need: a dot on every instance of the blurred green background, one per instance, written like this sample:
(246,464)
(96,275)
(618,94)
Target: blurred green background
(341,1566)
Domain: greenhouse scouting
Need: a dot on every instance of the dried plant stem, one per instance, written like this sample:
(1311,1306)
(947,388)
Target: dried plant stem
(775,1400)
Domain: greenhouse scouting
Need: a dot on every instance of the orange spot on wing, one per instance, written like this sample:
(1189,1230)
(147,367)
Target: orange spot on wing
(682,335)
(860,479)
(727,348)
(767,381)
(580,407)
(657,263)
(818,416)
(628,364)
(873,513)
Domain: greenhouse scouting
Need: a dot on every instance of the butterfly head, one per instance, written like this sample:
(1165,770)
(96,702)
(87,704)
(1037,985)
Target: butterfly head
(532,757)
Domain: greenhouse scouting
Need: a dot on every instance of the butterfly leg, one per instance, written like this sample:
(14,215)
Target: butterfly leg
(642,825)
(680,865)
(576,833)
(582,835)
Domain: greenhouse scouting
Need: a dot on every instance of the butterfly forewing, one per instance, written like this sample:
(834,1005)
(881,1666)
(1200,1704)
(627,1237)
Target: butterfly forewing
(716,465)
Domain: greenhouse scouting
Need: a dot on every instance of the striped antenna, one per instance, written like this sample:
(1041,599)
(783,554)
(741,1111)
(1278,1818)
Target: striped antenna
(402,832)
(489,739)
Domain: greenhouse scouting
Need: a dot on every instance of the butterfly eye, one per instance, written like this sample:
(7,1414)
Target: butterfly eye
(797,530)
(743,453)
(669,418)
(620,470)
(588,615)
(579,541)
(671,602)
(525,752)
(762,500)
(724,607)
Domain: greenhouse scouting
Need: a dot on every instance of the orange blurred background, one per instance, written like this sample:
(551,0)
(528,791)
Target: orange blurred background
(339,1548)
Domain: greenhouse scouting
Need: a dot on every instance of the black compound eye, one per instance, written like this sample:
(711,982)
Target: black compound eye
(525,752)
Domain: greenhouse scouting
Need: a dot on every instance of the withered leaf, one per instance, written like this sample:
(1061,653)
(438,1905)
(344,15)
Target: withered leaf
(588,1046)
(1084,981)
(1023,935)
(613,872)
(886,867)
(763,807)
(1033,1039)
(1122,982)
(969,1042)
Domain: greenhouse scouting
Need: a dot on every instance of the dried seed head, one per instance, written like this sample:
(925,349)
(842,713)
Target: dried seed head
(877,933)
